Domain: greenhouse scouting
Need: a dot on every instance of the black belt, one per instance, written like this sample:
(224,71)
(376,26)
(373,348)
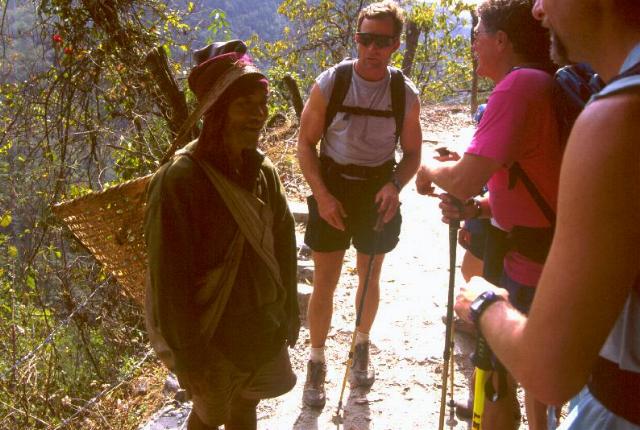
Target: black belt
(618,390)
(383,171)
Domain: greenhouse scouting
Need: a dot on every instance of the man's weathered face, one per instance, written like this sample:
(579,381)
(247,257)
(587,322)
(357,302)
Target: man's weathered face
(376,42)
(247,114)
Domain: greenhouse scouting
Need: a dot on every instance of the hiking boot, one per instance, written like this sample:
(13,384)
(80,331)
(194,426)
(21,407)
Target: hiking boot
(314,395)
(362,373)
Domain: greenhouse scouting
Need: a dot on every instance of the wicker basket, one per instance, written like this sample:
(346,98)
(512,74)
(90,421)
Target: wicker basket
(110,225)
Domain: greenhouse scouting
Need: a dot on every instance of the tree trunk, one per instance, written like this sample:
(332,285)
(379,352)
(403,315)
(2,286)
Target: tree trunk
(172,100)
(294,92)
(413,34)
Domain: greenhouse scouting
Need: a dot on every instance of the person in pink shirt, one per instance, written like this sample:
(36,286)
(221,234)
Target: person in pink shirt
(519,125)
(517,142)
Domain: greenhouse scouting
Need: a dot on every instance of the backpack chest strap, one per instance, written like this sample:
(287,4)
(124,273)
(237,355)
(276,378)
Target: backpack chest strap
(356,110)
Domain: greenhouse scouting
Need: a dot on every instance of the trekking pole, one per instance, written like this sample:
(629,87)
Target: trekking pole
(483,365)
(454,225)
(376,229)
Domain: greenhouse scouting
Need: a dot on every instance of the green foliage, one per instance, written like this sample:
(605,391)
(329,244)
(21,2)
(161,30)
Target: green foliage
(219,27)
(78,110)
(320,34)
(443,58)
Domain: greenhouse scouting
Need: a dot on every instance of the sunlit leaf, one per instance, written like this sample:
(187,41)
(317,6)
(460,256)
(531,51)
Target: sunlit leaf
(5,220)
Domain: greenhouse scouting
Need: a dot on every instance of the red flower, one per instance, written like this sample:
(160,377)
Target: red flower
(56,38)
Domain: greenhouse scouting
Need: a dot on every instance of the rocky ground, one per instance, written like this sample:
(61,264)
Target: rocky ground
(408,335)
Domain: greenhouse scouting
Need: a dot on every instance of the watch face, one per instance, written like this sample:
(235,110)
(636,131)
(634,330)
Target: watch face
(480,303)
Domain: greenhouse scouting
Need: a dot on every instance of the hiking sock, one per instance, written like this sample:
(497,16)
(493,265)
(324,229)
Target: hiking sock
(317,355)
(361,337)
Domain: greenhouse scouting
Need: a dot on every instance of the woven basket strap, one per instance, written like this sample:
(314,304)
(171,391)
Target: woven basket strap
(254,217)
(216,292)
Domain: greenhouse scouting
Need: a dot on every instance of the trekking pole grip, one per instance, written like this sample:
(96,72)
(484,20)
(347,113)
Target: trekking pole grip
(454,224)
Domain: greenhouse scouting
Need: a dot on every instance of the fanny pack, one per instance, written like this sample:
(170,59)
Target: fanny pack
(533,243)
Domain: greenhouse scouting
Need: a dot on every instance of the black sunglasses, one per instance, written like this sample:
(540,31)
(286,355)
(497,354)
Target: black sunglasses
(380,40)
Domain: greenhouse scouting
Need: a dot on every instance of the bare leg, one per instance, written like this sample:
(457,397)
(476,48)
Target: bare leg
(372,298)
(502,414)
(471,266)
(243,414)
(325,279)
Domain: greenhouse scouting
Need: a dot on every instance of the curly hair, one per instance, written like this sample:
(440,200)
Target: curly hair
(382,10)
(530,40)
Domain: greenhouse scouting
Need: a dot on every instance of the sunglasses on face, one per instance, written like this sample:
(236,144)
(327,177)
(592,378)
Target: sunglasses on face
(380,40)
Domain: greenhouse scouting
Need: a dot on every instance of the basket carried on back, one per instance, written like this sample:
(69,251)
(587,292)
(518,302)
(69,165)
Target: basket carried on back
(110,225)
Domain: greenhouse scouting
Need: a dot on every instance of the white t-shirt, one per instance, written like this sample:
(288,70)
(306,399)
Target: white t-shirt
(358,139)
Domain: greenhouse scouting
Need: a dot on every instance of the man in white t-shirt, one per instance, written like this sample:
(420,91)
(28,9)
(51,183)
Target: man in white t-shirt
(355,180)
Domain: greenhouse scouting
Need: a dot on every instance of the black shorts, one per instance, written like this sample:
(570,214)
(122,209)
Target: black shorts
(358,200)
(477,229)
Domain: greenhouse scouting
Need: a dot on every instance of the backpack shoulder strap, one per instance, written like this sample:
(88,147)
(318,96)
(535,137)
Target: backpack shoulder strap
(578,82)
(517,172)
(627,80)
(397,99)
(341,85)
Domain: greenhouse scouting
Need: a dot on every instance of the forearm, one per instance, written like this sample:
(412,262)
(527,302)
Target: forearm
(450,178)
(533,356)
(407,167)
(503,328)
(311,169)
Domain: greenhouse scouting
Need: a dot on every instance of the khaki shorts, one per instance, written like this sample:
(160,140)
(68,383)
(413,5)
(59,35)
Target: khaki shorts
(225,381)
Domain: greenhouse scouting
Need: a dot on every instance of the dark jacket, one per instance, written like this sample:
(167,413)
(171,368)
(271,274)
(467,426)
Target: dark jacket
(188,231)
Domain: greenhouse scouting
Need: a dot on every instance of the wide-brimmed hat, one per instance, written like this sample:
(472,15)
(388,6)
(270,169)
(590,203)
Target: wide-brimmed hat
(218,66)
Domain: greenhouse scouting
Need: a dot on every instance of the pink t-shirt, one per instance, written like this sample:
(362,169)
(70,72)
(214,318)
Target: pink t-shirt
(519,124)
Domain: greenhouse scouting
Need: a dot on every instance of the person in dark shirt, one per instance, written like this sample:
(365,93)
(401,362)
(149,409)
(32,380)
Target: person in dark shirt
(221,294)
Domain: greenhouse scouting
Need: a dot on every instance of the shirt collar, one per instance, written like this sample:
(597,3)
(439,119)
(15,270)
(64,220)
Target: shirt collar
(632,59)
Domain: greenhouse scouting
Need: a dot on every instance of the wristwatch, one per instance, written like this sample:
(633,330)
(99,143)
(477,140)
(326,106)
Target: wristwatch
(478,207)
(480,304)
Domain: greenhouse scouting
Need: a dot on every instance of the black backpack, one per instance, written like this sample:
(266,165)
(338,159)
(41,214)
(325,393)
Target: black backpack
(575,84)
(344,72)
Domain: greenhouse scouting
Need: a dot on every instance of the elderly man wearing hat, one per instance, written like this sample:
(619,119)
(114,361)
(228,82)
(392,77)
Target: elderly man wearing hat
(221,292)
